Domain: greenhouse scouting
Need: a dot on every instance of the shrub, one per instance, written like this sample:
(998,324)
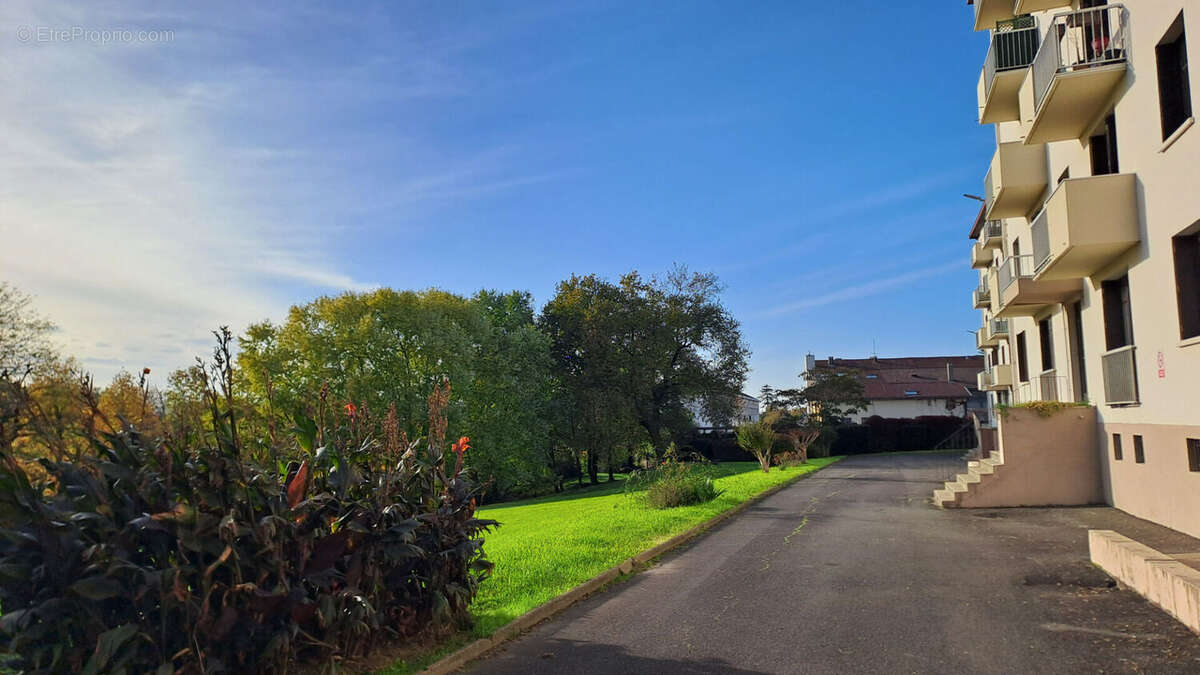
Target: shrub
(153,557)
(680,485)
(757,438)
(789,459)
(674,483)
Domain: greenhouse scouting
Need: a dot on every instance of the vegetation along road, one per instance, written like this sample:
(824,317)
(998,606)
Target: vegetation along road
(852,570)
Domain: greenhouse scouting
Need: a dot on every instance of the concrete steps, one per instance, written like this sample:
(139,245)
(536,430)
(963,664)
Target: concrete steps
(978,472)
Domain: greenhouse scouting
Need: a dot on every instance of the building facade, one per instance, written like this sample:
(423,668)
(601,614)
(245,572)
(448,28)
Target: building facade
(1088,242)
(911,386)
(746,409)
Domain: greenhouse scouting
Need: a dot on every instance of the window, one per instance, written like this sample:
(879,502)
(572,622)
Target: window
(1174,91)
(1046,342)
(1118,316)
(910,393)
(1139,451)
(1187,282)
(1022,358)
(1104,148)
(1193,446)
(872,376)
(1116,443)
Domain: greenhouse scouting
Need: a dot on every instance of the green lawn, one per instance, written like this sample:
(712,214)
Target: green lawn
(546,546)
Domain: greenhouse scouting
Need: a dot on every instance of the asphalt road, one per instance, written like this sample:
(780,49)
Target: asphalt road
(854,571)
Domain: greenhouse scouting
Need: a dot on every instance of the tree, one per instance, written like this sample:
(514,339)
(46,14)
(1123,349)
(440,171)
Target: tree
(757,439)
(395,346)
(768,397)
(24,335)
(657,344)
(830,397)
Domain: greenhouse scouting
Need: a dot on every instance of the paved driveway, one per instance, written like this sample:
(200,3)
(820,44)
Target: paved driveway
(853,571)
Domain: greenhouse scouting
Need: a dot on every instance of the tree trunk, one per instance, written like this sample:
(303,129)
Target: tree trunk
(593,466)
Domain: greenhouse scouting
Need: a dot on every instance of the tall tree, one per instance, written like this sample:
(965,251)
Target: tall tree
(830,395)
(24,335)
(656,343)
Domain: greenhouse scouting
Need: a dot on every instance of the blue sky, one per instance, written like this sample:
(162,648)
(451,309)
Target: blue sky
(811,154)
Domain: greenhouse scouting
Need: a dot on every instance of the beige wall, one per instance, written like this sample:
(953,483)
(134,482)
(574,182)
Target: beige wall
(908,408)
(1048,461)
(1168,191)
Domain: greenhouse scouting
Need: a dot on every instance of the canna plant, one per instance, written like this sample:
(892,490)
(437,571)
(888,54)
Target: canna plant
(152,557)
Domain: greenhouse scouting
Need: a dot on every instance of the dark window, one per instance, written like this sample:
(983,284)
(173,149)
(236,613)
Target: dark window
(1187,283)
(1016,251)
(1118,316)
(1046,342)
(1104,148)
(1139,451)
(1193,446)
(1080,359)
(1174,91)
(1117,454)
(1022,358)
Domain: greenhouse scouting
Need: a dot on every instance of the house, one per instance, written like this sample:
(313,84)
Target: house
(1088,252)
(745,410)
(910,386)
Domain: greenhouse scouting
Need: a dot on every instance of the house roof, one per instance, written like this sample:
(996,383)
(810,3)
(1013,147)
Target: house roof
(918,377)
(977,226)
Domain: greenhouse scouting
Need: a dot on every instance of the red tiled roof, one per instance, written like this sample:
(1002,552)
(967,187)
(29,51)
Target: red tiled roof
(979,221)
(925,375)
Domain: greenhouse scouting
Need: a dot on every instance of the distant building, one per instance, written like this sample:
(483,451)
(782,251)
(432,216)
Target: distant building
(912,386)
(745,410)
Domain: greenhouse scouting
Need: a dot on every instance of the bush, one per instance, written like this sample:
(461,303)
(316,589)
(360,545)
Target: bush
(674,483)
(788,459)
(152,557)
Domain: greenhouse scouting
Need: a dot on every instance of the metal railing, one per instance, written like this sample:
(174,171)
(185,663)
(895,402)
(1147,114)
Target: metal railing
(998,328)
(983,295)
(1120,376)
(1014,44)
(992,229)
(1012,268)
(1048,386)
(1087,38)
(1040,232)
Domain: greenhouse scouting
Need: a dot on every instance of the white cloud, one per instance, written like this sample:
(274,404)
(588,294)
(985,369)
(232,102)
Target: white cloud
(865,289)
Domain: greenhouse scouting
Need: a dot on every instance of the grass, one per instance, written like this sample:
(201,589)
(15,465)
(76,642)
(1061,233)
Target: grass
(548,545)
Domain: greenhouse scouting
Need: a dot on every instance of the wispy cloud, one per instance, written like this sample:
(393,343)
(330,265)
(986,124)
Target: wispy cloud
(150,192)
(865,289)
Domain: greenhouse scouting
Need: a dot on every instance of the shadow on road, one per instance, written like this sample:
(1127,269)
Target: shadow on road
(570,655)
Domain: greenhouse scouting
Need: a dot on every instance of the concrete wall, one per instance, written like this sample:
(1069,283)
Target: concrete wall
(1048,461)
(1168,368)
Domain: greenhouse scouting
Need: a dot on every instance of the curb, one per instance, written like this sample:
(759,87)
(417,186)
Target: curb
(456,660)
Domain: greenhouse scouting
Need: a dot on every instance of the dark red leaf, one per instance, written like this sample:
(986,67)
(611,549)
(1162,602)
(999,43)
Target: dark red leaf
(298,486)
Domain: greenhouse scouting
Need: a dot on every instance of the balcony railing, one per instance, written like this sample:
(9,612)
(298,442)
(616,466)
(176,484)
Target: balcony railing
(1012,268)
(1120,376)
(998,328)
(1087,38)
(992,229)
(982,296)
(1014,45)
(1048,386)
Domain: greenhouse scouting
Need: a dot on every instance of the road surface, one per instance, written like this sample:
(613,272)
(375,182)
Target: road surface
(853,571)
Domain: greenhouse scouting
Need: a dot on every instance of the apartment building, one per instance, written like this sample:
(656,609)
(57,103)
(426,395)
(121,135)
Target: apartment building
(1088,241)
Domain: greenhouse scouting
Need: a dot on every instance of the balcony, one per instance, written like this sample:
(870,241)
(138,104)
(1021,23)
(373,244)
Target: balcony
(995,378)
(1015,181)
(1014,44)
(1120,376)
(1049,386)
(982,297)
(1031,6)
(991,235)
(989,12)
(1086,224)
(1019,294)
(1075,73)
(991,333)
(981,257)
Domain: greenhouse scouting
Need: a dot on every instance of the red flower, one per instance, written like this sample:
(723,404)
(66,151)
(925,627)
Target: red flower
(461,446)
(351,410)
(145,371)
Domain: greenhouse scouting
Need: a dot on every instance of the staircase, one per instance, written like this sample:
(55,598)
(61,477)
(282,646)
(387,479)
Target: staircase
(979,472)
